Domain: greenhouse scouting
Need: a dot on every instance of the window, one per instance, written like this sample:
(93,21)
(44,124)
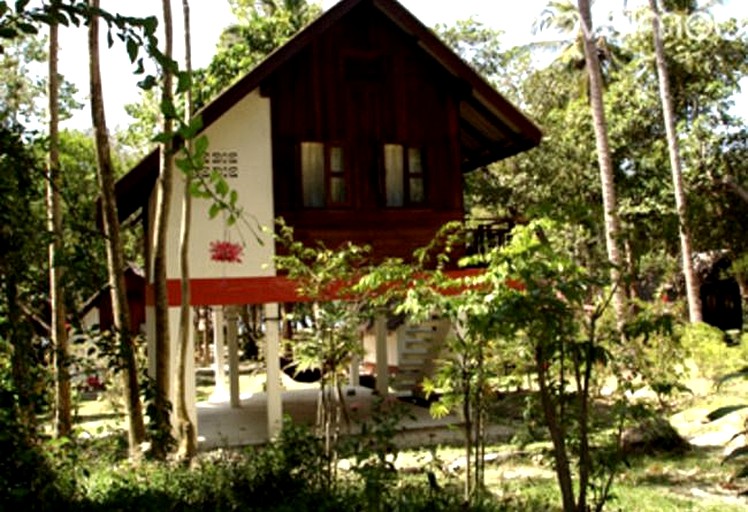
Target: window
(403,175)
(324,181)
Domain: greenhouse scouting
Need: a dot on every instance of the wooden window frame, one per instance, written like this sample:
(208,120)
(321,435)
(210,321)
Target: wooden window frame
(407,175)
(329,174)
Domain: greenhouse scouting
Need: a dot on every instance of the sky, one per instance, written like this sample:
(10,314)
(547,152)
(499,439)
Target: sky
(209,17)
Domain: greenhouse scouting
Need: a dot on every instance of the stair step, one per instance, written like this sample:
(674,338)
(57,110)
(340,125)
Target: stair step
(421,330)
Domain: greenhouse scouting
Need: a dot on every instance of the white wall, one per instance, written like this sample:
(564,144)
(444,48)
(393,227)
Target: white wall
(245,132)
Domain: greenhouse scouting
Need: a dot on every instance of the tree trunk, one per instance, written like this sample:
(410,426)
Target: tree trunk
(692,282)
(556,430)
(54,225)
(605,161)
(735,187)
(187,433)
(114,250)
(161,226)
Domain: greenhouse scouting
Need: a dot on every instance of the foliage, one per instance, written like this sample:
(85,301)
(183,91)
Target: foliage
(27,476)
(374,452)
(558,180)
(531,298)
(327,334)
(711,355)
(262,27)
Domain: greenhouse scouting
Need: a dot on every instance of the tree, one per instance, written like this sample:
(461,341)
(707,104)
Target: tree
(327,327)
(162,344)
(607,181)
(692,285)
(114,249)
(187,431)
(262,27)
(471,347)
(20,275)
(54,225)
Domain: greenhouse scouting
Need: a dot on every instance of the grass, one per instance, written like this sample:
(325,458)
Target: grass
(522,476)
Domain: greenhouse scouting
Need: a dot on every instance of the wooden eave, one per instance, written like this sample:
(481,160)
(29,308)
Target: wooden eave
(500,127)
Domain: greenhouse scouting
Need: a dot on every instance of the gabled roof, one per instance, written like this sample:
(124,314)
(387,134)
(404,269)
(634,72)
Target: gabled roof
(491,127)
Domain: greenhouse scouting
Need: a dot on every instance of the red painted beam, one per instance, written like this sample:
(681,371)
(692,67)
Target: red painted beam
(245,290)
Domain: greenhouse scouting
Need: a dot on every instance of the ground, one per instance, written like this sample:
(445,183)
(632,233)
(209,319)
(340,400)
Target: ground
(659,482)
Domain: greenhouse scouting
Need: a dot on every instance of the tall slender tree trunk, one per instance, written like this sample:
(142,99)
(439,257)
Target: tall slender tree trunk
(605,160)
(161,226)
(54,225)
(692,282)
(114,251)
(187,432)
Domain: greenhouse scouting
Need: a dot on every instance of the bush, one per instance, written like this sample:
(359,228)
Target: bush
(710,353)
(28,480)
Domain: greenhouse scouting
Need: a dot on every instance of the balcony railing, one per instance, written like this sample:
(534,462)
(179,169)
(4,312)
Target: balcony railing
(486,234)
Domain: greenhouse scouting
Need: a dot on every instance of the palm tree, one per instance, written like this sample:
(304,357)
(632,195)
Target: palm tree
(584,53)
(115,253)
(604,157)
(692,284)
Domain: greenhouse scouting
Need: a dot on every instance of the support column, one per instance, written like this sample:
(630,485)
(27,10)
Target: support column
(383,373)
(272,360)
(232,332)
(353,374)
(218,354)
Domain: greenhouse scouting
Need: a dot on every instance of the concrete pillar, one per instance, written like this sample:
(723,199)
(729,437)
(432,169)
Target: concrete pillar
(150,336)
(218,354)
(232,335)
(353,374)
(272,360)
(383,373)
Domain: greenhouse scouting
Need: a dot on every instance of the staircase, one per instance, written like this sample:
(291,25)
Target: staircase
(418,346)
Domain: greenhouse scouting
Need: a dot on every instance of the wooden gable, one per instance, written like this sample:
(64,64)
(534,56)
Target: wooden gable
(367,74)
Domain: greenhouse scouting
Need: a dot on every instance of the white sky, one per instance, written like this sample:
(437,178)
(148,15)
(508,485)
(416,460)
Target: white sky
(209,17)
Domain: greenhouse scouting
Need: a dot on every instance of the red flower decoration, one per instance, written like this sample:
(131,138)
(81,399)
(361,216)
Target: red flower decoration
(515,284)
(229,252)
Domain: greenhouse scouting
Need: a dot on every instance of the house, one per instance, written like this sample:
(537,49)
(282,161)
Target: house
(359,129)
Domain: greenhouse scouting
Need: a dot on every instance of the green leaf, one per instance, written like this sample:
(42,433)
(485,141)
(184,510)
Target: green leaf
(149,82)
(20,5)
(184,82)
(28,28)
(7,32)
(184,165)
(233,197)
(222,188)
(438,410)
(201,143)
(109,38)
(150,24)
(215,209)
(724,411)
(168,109)
(132,49)
(163,138)
(196,189)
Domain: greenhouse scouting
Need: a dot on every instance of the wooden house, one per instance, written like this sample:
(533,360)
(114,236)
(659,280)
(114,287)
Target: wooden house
(359,129)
